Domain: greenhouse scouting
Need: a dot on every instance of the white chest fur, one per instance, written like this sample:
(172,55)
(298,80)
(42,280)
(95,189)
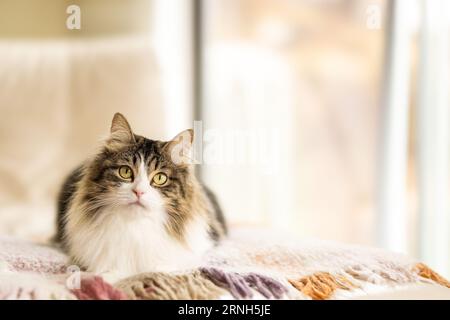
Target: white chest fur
(131,242)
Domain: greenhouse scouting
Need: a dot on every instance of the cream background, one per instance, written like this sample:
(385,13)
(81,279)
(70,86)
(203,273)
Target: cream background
(56,101)
(59,90)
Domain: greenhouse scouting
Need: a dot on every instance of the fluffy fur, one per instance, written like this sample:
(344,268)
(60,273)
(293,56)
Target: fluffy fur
(108,224)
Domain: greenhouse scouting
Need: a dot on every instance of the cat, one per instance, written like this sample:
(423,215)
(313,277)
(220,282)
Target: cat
(136,206)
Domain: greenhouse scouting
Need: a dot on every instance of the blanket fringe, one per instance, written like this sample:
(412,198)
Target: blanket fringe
(426,272)
(242,286)
(164,286)
(29,286)
(321,285)
(95,288)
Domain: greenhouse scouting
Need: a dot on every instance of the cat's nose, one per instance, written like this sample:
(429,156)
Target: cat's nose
(138,192)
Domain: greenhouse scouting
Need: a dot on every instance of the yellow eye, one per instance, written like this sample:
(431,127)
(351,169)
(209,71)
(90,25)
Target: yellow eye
(159,179)
(125,172)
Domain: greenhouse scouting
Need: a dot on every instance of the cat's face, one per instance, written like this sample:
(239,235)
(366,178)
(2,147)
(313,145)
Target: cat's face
(141,174)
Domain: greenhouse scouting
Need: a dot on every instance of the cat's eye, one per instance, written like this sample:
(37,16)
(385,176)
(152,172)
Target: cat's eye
(125,172)
(159,179)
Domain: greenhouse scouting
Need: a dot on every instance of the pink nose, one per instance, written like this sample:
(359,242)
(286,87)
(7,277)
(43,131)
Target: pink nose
(138,193)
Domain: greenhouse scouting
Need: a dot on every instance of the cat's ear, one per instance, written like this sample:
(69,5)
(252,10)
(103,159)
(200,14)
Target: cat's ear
(180,147)
(121,132)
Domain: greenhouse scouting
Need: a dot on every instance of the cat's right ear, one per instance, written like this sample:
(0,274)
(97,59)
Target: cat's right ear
(121,132)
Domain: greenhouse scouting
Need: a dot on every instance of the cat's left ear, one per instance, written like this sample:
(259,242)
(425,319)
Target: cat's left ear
(120,131)
(180,147)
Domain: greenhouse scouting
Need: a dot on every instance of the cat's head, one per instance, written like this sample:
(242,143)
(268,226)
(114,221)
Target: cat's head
(141,174)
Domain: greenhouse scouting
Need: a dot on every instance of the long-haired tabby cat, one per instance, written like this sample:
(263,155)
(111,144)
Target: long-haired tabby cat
(136,206)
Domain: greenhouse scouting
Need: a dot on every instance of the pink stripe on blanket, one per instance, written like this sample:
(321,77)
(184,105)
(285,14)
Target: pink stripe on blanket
(94,288)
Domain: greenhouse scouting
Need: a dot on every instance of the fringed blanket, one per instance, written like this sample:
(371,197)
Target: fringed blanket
(251,264)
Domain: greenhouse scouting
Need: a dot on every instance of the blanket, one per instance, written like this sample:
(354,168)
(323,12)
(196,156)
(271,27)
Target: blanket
(250,264)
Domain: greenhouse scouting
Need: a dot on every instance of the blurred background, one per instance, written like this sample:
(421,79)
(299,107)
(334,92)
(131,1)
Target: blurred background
(324,118)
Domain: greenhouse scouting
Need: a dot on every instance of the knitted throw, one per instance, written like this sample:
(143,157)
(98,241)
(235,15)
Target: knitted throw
(250,264)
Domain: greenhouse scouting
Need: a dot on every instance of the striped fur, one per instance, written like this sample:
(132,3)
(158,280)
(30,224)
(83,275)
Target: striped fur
(106,228)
